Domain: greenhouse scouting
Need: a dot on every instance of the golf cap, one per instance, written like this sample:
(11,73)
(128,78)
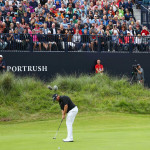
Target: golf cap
(54,97)
(138,65)
(1,56)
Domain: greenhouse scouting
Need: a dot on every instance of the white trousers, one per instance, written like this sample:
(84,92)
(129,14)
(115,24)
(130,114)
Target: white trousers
(69,121)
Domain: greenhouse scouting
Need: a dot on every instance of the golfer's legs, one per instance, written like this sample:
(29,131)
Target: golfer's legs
(69,121)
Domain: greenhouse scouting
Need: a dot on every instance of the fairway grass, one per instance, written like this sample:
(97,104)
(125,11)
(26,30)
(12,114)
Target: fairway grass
(101,131)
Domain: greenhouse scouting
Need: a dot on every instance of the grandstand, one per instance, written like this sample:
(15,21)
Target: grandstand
(75,25)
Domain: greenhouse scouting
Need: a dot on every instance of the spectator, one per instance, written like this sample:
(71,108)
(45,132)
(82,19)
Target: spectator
(12,28)
(43,2)
(26,18)
(16,16)
(62,30)
(121,41)
(123,30)
(115,41)
(53,29)
(23,23)
(132,32)
(20,12)
(19,28)
(144,42)
(14,5)
(45,29)
(46,9)
(94,41)
(17,40)
(49,4)
(99,67)
(77,40)
(2,3)
(95,20)
(35,40)
(2,63)
(3,42)
(127,16)
(137,30)
(145,31)
(58,4)
(115,30)
(33,3)
(64,23)
(128,5)
(25,39)
(41,40)
(129,41)
(138,42)
(85,41)
(59,18)
(38,10)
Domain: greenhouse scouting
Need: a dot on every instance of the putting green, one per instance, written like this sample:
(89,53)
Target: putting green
(91,132)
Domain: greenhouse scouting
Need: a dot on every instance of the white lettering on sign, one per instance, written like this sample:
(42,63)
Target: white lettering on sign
(27,68)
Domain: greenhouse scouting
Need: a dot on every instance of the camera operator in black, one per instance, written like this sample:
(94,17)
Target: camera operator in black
(140,74)
(2,64)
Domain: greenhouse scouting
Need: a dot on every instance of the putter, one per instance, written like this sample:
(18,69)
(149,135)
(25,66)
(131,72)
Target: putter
(58,129)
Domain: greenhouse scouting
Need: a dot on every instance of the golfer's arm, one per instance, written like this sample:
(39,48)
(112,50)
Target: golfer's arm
(65,109)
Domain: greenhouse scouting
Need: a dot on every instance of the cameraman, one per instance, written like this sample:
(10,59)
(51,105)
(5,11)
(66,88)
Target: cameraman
(140,74)
(2,64)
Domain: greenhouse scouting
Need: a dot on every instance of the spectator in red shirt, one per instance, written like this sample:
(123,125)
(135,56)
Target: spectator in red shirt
(145,31)
(99,67)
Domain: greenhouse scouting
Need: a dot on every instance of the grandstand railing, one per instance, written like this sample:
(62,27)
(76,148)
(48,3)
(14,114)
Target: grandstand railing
(145,15)
(66,43)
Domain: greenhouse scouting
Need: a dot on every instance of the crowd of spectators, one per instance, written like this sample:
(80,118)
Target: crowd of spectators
(82,24)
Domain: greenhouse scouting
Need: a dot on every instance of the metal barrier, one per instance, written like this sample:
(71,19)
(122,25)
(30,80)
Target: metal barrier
(145,15)
(68,42)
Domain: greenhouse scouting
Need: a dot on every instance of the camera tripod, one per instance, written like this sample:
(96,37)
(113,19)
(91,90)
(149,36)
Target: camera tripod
(133,78)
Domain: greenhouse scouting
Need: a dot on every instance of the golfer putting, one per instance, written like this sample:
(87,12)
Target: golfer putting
(69,108)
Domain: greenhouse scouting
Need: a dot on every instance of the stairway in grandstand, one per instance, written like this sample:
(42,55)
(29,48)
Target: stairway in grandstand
(137,13)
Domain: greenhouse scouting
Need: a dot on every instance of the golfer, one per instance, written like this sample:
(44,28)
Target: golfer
(69,108)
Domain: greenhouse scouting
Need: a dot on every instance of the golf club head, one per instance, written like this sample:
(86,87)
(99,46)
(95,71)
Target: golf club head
(54,137)
(49,87)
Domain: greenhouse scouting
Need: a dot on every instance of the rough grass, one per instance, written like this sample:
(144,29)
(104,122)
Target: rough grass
(27,98)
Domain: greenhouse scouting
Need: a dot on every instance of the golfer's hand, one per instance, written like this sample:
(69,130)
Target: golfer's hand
(63,116)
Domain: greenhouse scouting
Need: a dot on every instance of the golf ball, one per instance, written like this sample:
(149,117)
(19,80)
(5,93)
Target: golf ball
(58,147)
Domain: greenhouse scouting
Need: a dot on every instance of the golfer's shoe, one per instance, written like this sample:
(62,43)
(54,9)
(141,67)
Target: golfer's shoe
(68,140)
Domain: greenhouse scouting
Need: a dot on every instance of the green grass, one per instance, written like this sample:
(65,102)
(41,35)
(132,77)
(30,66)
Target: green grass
(27,98)
(100,131)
